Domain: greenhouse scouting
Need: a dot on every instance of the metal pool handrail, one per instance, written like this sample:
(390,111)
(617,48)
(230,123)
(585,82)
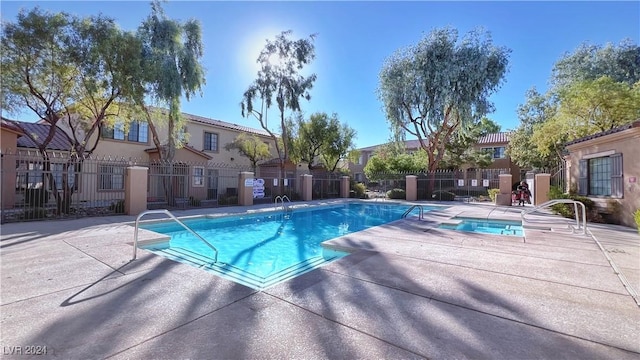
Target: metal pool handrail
(166,212)
(421,216)
(282,198)
(562,201)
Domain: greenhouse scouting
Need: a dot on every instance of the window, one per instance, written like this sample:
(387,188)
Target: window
(210,141)
(31,175)
(601,176)
(111,177)
(358,177)
(57,170)
(198,176)
(496,152)
(138,132)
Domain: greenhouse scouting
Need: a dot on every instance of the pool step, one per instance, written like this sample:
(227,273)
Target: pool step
(236,274)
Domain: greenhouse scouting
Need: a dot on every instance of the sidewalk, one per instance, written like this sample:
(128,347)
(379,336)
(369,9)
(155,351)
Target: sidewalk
(408,290)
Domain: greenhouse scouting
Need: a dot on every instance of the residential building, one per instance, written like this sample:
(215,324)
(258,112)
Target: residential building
(605,168)
(496,143)
(199,170)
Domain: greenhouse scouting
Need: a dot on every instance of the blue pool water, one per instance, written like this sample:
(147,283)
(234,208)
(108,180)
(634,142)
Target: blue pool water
(260,250)
(494,227)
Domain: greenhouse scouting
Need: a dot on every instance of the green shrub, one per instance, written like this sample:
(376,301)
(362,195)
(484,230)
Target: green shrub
(442,195)
(360,190)
(567,210)
(493,193)
(396,194)
(636,216)
(117,207)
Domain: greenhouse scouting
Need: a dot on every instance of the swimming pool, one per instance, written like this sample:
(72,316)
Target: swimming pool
(260,250)
(493,227)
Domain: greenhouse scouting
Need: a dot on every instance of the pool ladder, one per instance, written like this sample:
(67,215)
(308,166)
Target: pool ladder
(282,198)
(166,212)
(420,216)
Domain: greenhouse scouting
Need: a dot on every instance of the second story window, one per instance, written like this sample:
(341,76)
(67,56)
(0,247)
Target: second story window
(138,132)
(496,152)
(210,141)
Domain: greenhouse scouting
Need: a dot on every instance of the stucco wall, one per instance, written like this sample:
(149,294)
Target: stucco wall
(628,144)
(8,140)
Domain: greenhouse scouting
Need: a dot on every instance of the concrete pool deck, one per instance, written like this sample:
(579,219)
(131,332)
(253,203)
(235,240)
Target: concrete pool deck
(408,290)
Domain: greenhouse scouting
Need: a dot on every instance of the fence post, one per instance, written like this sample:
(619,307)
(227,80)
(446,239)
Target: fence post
(245,188)
(344,187)
(411,190)
(306,185)
(504,197)
(135,190)
(542,184)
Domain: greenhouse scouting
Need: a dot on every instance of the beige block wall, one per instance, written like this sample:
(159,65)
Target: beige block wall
(8,145)
(626,142)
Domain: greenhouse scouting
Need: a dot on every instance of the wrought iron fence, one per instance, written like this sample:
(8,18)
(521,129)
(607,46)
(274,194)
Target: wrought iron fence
(60,186)
(325,185)
(183,185)
(465,185)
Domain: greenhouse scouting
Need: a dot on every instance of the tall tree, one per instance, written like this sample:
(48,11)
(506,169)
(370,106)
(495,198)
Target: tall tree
(585,108)
(251,147)
(460,150)
(537,110)
(73,73)
(322,139)
(589,62)
(171,63)
(280,79)
(430,89)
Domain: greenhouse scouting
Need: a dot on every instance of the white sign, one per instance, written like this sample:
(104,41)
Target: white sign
(460,182)
(474,182)
(248,182)
(275,182)
(485,183)
(258,188)
(286,182)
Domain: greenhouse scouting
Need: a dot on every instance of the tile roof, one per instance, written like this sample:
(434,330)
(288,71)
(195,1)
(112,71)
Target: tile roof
(226,125)
(635,124)
(500,137)
(60,140)
(186,147)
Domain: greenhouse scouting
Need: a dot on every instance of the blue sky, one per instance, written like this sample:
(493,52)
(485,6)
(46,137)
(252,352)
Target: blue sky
(354,39)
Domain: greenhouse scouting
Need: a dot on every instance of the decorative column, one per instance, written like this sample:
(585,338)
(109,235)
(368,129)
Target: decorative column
(504,197)
(412,188)
(344,187)
(306,185)
(135,190)
(542,184)
(245,188)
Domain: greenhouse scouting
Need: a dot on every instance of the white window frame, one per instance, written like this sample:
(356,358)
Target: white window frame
(198,176)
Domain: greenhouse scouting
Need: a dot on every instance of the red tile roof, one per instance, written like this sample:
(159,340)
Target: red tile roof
(495,138)
(634,124)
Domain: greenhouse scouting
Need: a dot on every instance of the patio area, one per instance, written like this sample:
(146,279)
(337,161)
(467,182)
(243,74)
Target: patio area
(408,290)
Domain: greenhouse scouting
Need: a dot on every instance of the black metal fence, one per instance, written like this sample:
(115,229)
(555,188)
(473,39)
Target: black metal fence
(467,185)
(60,186)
